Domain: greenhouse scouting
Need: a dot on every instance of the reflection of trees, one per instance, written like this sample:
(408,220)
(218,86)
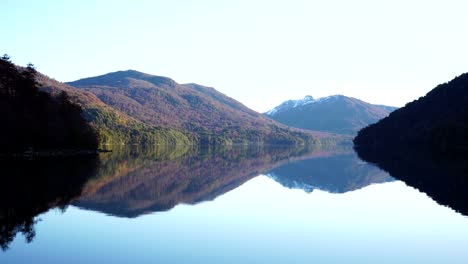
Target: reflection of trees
(148,183)
(445,179)
(127,182)
(29,188)
(9,229)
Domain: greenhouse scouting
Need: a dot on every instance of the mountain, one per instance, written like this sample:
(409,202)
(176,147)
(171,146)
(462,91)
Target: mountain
(336,114)
(437,122)
(333,173)
(112,126)
(202,113)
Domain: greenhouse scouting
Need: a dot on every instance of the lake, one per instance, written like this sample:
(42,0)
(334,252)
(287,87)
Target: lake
(228,205)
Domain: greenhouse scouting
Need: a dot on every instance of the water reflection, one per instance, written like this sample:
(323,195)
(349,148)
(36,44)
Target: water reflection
(132,182)
(258,222)
(29,188)
(335,172)
(443,178)
(127,182)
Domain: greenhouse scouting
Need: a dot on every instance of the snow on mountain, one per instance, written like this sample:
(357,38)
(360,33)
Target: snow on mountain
(336,114)
(308,99)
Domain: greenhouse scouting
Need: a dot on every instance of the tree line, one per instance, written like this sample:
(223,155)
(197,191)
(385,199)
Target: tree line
(33,119)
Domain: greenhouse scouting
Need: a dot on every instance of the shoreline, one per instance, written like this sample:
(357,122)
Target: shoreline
(50,153)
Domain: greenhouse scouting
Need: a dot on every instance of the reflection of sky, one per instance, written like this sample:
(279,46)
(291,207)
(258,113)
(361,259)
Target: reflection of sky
(261,222)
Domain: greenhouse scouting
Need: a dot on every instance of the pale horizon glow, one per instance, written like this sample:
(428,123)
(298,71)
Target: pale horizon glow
(258,52)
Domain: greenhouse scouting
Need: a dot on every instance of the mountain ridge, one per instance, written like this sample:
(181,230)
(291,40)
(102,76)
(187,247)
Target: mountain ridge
(336,113)
(113,126)
(200,111)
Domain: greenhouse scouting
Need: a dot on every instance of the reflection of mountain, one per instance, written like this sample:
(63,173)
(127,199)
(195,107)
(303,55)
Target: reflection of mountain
(142,184)
(335,173)
(29,188)
(444,179)
(127,182)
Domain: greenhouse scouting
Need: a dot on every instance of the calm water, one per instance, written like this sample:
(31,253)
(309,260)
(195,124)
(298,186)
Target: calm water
(224,206)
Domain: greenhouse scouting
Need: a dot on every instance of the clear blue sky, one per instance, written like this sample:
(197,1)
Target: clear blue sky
(257,51)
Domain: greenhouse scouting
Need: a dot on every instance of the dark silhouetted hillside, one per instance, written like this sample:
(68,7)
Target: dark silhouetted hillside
(437,122)
(33,119)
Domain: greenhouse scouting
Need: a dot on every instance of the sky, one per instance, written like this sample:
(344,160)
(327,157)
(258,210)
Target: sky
(259,52)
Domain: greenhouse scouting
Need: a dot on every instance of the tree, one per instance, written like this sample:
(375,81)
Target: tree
(33,118)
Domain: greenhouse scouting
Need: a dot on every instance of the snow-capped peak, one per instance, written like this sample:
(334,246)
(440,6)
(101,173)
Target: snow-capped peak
(291,104)
(301,102)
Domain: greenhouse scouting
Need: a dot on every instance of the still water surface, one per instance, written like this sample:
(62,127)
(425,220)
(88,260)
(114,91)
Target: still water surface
(239,206)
